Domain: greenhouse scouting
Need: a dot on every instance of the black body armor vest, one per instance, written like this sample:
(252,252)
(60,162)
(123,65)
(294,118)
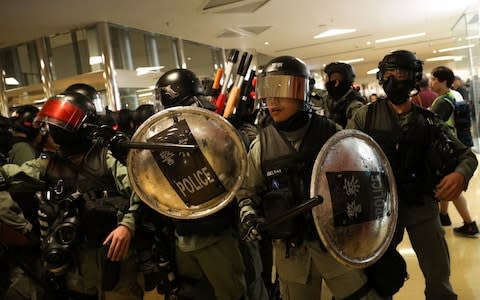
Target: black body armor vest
(100,205)
(67,175)
(288,173)
(406,148)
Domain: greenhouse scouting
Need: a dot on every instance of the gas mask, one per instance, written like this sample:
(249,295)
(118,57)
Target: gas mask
(336,92)
(398,91)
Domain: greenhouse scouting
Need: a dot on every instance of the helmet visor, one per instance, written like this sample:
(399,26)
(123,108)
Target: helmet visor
(282,86)
(61,113)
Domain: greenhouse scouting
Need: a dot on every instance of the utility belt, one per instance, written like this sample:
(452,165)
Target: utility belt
(277,203)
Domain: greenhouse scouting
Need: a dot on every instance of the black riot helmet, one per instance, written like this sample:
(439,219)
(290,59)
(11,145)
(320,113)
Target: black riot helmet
(69,117)
(398,91)
(284,77)
(401,59)
(142,113)
(343,68)
(181,87)
(84,89)
(22,120)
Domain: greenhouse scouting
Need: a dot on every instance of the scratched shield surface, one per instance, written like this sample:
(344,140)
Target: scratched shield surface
(198,177)
(357,218)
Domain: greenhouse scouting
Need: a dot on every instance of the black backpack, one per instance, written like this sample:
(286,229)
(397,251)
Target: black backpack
(463,123)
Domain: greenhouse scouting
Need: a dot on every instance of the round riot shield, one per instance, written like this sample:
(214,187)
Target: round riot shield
(357,218)
(198,167)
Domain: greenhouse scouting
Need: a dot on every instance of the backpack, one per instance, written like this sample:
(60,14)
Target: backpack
(461,116)
(463,122)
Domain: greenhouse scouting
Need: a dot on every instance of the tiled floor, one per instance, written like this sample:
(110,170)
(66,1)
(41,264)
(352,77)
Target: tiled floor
(464,254)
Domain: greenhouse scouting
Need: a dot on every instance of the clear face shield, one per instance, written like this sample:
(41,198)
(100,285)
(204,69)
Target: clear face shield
(61,113)
(282,86)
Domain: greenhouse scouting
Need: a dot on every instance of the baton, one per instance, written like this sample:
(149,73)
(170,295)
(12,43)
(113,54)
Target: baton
(314,201)
(154,146)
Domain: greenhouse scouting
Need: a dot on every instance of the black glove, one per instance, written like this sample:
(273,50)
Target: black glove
(3,180)
(113,140)
(249,228)
(167,281)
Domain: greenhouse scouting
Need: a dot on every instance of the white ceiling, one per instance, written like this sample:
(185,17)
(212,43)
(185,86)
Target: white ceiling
(291,24)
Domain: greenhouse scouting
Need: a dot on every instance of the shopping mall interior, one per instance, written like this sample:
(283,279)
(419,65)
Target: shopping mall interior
(121,47)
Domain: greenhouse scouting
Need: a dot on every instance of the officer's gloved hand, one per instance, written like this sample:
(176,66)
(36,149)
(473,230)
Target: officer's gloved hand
(249,228)
(113,140)
(167,281)
(249,221)
(3,180)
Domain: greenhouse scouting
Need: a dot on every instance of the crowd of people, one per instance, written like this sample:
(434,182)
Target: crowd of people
(72,227)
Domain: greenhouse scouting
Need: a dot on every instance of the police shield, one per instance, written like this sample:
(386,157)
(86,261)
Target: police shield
(198,167)
(357,219)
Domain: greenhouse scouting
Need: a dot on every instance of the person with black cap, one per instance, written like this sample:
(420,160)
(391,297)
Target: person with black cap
(280,162)
(429,163)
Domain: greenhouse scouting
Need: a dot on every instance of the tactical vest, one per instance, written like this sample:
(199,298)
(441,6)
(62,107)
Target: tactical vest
(101,205)
(406,148)
(288,174)
(338,112)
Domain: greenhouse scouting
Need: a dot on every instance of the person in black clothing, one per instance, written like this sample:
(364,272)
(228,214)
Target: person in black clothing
(280,162)
(414,140)
(343,101)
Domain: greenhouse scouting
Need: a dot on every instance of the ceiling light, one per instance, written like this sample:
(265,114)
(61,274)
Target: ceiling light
(455,48)
(446,57)
(266,43)
(400,37)
(373,71)
(333,32)
(473,37)
(351,61)
(145,70)
(148,94)
(40,101)
(11,81)
(95,60)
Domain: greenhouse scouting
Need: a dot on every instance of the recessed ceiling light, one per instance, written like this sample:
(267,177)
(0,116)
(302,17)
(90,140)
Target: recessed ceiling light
(266,43)
(351,61)
(95,60)
(455,48)
(473,37)
(373,71)
(145,70)
(11,81)
(446,57)
(400,37)
(333,32)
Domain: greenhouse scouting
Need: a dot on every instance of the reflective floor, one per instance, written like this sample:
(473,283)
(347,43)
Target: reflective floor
(464,255)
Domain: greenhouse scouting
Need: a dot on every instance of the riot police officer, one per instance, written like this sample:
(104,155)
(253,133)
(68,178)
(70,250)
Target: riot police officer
(280,163)
(415,141)
(207,250)
(86,217)
(343,101)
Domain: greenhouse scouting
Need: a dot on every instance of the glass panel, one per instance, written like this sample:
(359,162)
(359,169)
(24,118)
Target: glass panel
(73,53)
(200,59)
(21,65)
(165,47)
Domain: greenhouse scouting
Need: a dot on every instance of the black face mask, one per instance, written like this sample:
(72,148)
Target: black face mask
(336,92)
(398,91)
